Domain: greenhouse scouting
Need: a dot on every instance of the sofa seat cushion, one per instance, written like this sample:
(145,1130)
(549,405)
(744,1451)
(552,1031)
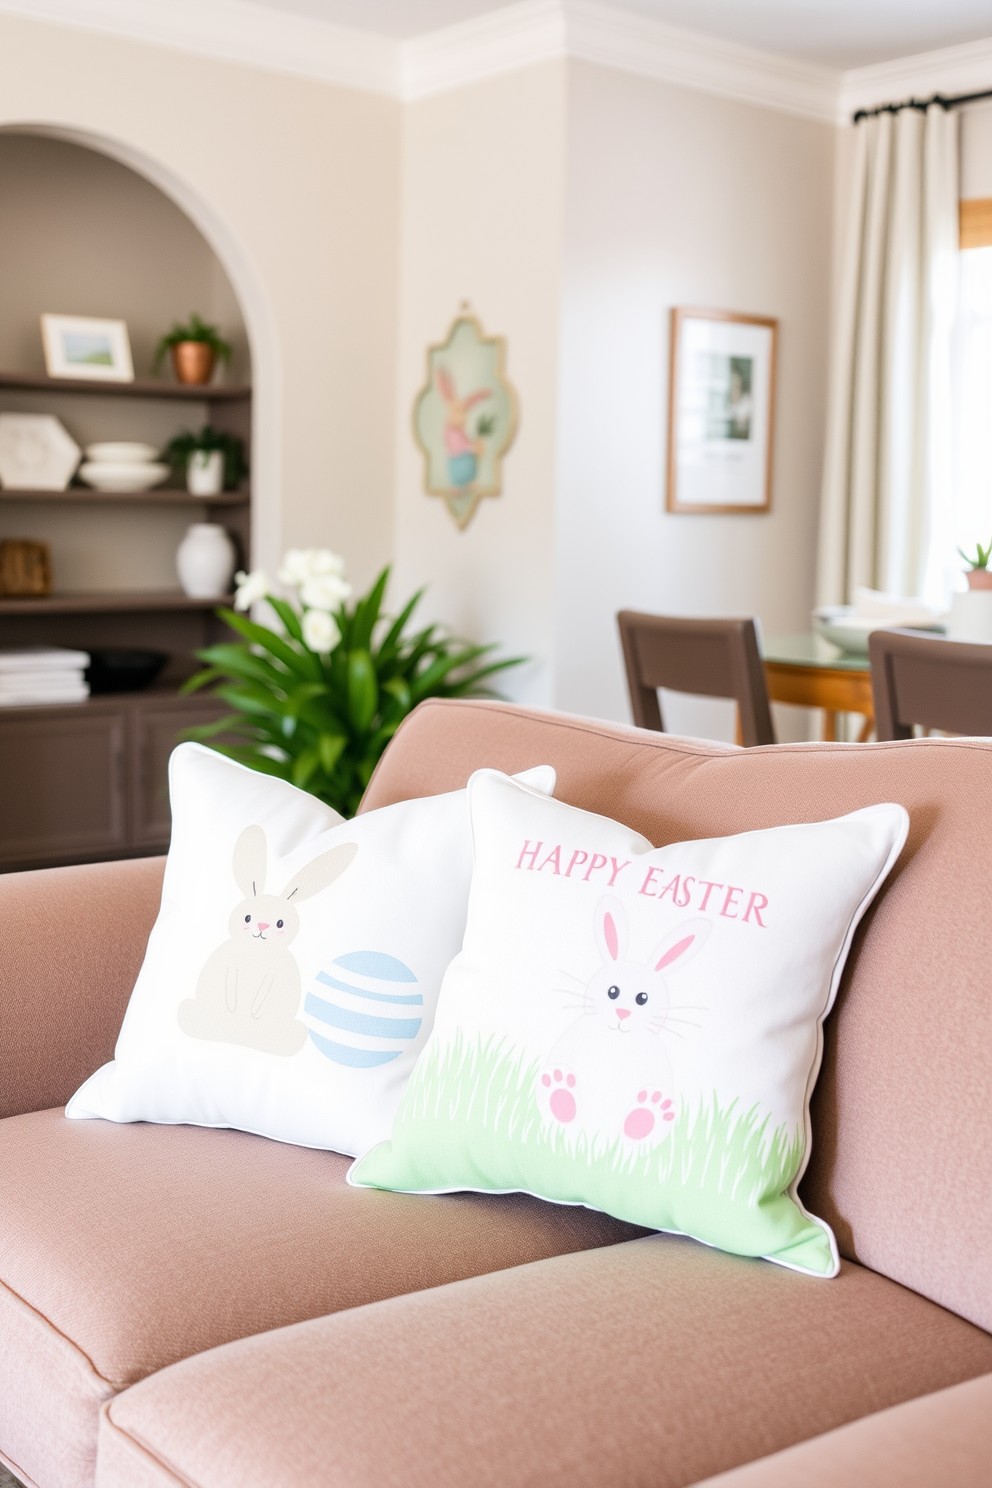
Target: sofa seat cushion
(648,1365)
(125,1248)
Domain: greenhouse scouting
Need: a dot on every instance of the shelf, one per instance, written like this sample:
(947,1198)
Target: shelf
(77,495)
(140,388)
(111,602)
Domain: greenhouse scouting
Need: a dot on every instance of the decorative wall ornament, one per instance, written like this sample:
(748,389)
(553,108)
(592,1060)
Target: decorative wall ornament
(465,417)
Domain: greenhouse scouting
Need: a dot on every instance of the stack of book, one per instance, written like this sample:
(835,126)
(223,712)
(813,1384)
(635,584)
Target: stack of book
(42,674)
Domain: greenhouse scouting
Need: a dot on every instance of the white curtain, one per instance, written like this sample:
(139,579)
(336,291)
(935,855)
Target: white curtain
(886,482)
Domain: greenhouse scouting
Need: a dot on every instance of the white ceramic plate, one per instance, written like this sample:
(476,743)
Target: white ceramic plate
(842,625)
(120,477)
(121,452)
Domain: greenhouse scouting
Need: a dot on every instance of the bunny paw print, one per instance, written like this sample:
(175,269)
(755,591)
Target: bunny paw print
(650,1109)
(559,1094)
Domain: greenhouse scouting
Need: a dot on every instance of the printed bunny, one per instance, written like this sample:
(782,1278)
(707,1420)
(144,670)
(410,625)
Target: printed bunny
(249,990)
(609,1076)
(463,450)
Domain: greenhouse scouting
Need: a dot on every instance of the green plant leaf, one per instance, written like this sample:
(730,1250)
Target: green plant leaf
(363,690)
(288,616)
(302,662)
(330,747)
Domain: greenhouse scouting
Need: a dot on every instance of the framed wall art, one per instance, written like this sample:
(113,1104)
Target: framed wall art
(721,411)
(97,350)
(465,417)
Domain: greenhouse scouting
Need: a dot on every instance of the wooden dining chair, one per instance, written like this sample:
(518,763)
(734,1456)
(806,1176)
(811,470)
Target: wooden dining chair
(713,658)
(931,681)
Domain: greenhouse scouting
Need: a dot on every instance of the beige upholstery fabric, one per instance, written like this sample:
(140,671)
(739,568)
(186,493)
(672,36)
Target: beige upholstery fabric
(939,1441)
(71,943)
(124,1248)
(902,1116)
(647,1365)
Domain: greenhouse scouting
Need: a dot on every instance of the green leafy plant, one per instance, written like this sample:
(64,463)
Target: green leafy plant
(318,703)
(184,444)
(981,558)
(193,329)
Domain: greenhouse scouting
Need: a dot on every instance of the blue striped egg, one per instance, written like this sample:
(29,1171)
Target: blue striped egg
(365,1018)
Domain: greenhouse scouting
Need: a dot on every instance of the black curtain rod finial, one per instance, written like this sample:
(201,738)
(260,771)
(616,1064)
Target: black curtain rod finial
(921,104)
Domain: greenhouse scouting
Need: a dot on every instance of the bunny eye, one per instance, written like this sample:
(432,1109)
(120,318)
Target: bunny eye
(247,919)
(641,999)
(613,993)
(279,924)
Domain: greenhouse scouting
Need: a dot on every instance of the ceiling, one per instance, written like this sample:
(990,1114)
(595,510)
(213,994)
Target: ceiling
(833,33)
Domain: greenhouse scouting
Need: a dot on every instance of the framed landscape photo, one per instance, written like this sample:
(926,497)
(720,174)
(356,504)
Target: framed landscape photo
(97,350)
(721,411)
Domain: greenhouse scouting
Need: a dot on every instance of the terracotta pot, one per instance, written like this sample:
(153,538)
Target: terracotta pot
(193,361)
(979,578)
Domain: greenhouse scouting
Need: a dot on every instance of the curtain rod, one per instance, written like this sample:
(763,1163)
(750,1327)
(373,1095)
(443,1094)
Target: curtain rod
(922,104)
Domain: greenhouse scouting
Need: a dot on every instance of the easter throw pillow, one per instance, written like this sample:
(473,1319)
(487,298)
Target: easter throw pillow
(291,977)
(639,1029)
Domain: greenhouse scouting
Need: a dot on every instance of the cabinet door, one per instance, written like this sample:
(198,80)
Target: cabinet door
(157,732)
(62,792)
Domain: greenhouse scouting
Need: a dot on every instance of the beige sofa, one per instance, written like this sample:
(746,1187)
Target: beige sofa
(207,1308)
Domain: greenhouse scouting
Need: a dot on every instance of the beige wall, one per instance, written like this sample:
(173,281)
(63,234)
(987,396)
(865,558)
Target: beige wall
(296,184)
(482,194)
(679,198)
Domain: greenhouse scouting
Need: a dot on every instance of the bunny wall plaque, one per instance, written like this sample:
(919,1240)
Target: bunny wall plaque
(249,989)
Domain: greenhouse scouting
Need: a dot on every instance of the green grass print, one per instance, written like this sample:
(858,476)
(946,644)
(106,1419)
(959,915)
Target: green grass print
(470,1119)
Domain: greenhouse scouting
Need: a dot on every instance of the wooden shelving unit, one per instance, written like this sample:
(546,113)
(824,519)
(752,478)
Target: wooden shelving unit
(149,387)
(110,602)
(163,495)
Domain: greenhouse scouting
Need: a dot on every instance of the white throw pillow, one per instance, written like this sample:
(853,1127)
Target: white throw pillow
(638,1029)
(292,975)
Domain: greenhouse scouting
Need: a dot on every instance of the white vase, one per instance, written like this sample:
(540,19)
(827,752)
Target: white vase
(205,473)
(205,561)
(971,616)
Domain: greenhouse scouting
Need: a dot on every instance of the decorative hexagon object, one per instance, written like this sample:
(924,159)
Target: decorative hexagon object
(37,452)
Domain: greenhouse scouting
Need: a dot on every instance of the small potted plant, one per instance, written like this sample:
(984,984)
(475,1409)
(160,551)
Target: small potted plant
(211,460)
(195,347)
(979,574)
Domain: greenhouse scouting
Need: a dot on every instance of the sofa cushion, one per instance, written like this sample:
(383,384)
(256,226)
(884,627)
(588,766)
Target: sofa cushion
(928,1443)
(651,1364)
(125,1248)
(902,1113)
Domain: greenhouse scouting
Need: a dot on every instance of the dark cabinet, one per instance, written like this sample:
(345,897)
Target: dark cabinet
(90,781)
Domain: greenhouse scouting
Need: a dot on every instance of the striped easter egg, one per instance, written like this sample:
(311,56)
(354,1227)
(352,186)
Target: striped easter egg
(365,1011)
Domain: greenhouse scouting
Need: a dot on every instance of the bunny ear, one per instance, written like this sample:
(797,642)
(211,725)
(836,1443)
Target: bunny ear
(445,385)
(321,872)
(611,929)
(681,944)
(478,397)
(249,862)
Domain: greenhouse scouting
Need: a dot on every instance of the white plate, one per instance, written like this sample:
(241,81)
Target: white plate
(121,452)
(114,477)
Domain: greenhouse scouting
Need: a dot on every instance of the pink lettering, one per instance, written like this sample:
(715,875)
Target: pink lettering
(578,858)
(757,902)
(683,903)
(529,852)
(617,870)
(672,887)
(554,858)
(709,887)
(648,880)
(728,900)
(598,861)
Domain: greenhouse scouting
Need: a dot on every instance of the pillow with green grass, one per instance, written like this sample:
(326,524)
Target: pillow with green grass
(639,1029)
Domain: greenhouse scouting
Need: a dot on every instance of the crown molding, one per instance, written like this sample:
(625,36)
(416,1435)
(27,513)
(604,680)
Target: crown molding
(958,69)
(498,42)
(234,31)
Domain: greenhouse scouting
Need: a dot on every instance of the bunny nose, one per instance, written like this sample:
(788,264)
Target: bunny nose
(263,926)
(623,1013)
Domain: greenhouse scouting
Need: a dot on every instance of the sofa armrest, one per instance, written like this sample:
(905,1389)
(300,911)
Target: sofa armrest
(71,945)
(925,1443)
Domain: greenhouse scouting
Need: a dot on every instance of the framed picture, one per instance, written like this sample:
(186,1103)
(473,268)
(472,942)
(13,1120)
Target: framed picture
(721,411)
(465,417)
(98,350)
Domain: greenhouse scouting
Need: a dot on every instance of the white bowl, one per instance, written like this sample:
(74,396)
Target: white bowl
(842,625)
(121,452)
(120,477)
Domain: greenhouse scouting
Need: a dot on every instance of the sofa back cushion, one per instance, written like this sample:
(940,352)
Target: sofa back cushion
(902,1114)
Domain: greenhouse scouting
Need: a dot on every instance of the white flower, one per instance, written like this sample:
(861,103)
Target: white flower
(320,630)
(300,564)
(251,587)
(324,591)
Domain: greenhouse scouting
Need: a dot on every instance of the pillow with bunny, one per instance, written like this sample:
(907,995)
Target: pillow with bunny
(639,1029)
(291,977)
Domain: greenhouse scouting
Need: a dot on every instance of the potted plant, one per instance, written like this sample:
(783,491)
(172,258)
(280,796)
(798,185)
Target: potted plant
(979,575)
(316,701)
(195,347)
(210,460)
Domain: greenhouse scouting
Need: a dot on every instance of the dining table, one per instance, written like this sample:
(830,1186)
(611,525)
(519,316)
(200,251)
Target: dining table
(809,671)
